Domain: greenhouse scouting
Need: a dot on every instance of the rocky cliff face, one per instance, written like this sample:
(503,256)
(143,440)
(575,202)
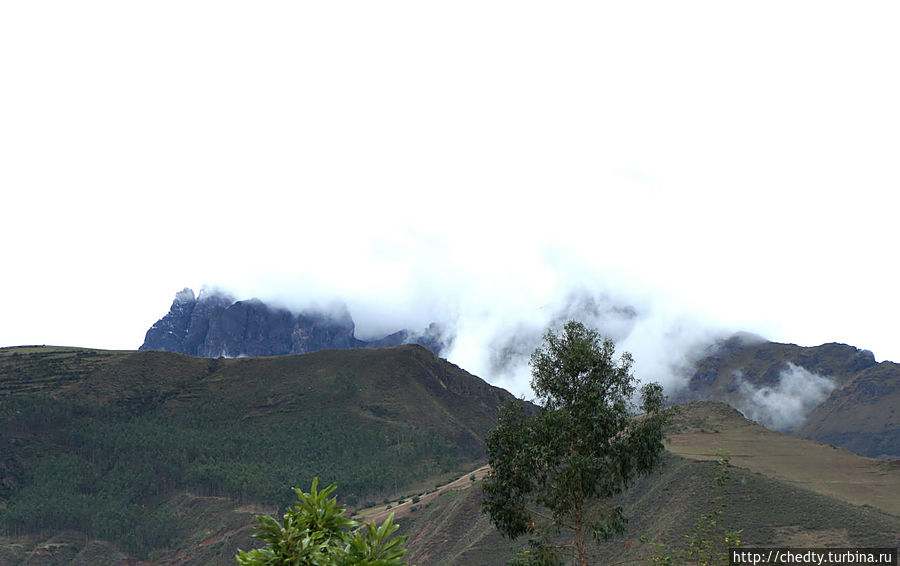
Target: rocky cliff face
(215,325)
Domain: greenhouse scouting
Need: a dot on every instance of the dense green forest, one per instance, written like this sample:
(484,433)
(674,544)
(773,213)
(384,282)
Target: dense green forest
(105,465)
(115,465)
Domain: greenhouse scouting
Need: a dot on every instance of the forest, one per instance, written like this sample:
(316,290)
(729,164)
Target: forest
(105,470)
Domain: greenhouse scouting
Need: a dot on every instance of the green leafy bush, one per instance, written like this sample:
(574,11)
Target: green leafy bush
(314,532)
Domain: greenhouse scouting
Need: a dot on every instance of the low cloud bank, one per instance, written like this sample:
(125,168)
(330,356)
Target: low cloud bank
(664,345)
(492,335)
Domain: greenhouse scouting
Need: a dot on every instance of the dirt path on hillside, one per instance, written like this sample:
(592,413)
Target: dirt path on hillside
(381,512)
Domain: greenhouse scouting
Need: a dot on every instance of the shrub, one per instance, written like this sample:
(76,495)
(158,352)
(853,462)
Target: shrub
(314,532)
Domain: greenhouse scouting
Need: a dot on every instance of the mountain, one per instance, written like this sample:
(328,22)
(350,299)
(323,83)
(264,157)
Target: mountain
(140,458)
(155,452)
(832,393)
(214,325)
(863,415)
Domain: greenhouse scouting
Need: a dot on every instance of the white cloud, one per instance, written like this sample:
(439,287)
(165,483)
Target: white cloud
(785,405)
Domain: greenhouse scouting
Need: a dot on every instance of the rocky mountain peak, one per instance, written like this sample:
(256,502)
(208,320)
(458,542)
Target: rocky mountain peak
(213,324)
(184,296)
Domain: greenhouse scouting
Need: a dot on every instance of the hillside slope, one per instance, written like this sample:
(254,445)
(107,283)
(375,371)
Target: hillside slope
(663,508)
(129,446)
(863,415)
(783,491)
(701,430)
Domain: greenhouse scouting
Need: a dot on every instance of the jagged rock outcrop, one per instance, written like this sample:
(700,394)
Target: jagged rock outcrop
(214,325)
(171,331)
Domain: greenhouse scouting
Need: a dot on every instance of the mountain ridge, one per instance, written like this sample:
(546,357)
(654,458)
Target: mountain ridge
(832,393)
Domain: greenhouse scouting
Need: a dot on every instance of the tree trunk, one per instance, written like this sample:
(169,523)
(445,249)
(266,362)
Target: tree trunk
(579,531)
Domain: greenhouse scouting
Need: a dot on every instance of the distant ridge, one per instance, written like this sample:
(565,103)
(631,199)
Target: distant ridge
(833,393)
(214,325)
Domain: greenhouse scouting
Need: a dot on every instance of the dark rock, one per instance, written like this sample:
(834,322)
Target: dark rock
(170,332)
(215,325)
(396,339)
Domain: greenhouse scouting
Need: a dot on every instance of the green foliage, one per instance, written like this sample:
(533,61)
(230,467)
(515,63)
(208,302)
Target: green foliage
(314,532)
(708,543)
(587,444)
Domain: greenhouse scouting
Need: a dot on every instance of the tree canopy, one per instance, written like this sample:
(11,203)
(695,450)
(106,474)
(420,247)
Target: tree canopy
(589,441)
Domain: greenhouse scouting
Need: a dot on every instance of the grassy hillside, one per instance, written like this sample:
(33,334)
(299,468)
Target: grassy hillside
(783,491)
(703,429)
(663,507)
(213,529)
(135,447)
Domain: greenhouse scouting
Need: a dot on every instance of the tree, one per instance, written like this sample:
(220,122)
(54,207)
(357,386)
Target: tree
(314,532)
(557,469)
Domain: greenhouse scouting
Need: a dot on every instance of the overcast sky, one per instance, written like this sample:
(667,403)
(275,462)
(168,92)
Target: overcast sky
(730,164)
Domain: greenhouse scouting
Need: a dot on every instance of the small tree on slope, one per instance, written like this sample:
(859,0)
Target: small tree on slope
(558,468)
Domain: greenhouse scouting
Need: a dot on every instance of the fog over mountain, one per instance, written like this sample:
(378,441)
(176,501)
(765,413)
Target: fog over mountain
(784,387)
(492,342)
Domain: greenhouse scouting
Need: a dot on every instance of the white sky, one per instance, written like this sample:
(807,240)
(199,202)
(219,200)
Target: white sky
(733,163)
